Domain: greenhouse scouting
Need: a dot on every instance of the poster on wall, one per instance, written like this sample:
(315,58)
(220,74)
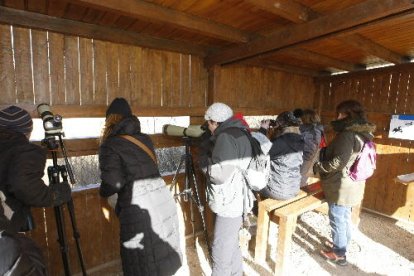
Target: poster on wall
(402,127)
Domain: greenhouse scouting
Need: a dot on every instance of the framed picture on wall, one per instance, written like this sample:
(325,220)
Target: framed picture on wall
(402,127)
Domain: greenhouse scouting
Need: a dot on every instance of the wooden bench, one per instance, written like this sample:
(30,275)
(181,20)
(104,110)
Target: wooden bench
(267,208)
(287,223)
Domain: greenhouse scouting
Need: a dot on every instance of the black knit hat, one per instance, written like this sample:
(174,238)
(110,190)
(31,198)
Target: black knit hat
(119,106)
(16,119)
(286,119)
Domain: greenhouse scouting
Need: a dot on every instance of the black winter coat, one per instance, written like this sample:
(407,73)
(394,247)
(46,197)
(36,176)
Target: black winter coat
(21,170)
(149,236)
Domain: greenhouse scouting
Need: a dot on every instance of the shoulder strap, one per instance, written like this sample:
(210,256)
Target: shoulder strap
(141,146)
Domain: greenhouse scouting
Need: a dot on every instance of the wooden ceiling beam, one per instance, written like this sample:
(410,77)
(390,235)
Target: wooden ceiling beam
(340,21)
(317,58)
(288,9)
(370,47)
(155,13)
(65,26)
(299,13)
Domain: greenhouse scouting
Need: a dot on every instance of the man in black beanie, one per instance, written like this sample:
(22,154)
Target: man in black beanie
(22,167)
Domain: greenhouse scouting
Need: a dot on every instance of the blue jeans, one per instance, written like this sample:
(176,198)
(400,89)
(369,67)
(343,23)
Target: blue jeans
(341,227)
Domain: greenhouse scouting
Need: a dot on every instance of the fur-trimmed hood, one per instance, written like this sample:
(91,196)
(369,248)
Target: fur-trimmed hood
(360,126)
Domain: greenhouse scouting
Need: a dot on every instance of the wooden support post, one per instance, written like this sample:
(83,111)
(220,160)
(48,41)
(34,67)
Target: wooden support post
(287,225)
(261,234)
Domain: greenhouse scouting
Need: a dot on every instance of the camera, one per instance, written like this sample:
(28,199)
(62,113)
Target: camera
(194,131)
(51,123)
(272,123)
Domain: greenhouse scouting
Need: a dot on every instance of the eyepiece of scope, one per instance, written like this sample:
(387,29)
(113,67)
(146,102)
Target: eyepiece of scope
(51,123)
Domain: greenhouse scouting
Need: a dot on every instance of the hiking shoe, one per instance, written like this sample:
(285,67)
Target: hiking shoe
(332,257)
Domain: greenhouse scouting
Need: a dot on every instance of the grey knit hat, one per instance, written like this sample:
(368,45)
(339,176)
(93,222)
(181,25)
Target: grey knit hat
(16,119)
(218,112)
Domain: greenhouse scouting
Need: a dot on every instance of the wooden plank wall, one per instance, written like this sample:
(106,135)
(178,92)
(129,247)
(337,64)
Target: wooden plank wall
(383,92)
(262,90)
(98,227)
(38,66)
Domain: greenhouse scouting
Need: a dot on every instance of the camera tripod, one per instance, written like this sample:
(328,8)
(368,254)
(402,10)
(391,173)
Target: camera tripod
(54,172)
(190,184)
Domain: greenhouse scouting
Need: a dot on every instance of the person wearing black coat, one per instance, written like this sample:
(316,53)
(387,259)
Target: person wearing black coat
(149,235)
(22,167)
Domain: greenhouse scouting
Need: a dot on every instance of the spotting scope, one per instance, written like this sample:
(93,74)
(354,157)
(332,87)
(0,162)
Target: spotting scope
(190,131)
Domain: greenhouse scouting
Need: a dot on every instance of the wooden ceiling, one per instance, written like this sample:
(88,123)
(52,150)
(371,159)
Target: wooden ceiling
(310,37)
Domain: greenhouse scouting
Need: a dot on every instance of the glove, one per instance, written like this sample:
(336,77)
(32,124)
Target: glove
(62,193)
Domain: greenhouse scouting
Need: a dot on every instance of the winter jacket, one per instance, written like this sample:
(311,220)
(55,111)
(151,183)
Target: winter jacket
(339,156)
(22,167)
(19,255)
(231,154)
(312,134)
(286,160)
(147,213)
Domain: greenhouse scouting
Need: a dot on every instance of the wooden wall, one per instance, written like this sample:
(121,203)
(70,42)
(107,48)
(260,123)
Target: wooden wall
(39,66)
(383,92)
(260,91)
(98,228)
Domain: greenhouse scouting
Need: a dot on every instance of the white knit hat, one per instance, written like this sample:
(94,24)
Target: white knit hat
(218,112)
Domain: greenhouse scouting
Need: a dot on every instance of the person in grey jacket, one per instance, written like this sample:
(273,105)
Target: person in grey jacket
(226,189)
(149,234)
(285,157)
(312,132)
(342,193)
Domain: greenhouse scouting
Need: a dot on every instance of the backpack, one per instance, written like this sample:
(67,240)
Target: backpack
(258,171)
(365,164)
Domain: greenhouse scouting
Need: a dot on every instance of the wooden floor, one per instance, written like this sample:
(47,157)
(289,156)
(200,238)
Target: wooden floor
(113,268)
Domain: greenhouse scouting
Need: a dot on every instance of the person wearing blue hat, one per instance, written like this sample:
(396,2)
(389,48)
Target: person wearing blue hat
(22,166)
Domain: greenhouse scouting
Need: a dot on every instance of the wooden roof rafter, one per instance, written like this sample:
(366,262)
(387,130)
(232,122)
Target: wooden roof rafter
(154,13)
(298,13)
(71,27)
(288,9)
(342,21)
(370,47)
(317,58)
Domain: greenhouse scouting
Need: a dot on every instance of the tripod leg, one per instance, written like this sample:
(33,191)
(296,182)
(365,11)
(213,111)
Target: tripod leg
(62,238)
(76,235)
(174,181)
(197,200)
